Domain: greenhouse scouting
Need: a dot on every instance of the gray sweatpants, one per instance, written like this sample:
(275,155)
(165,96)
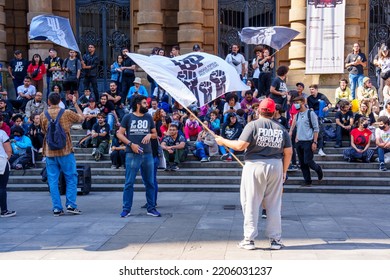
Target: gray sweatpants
(262,180)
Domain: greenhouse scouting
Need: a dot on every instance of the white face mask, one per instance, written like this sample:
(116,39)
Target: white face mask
(297,106)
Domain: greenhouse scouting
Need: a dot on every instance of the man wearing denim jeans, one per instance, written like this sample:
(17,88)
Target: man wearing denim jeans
(355,62)
(62,160)
(135,132)
(382,139)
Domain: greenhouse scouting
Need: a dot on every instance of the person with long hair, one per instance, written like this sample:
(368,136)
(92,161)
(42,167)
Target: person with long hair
(382,61)
(158,116)
(266,67)
(36,70)
(365,111)
(116,71)
(360,142)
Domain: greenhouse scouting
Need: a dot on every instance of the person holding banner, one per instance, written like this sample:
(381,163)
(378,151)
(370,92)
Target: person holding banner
(355,62)
(267,157)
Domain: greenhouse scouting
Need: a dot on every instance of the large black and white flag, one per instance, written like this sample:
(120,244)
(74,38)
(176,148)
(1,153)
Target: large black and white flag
(276,37)
(55,29)
(195,77)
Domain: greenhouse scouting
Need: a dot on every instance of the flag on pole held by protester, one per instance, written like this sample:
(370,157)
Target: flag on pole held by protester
(55,29)
(276,36)
(195,77)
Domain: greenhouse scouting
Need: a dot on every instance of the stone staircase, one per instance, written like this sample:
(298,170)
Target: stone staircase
(339,175)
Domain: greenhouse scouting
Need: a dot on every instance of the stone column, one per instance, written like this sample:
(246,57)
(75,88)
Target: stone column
(150,21)
(352,25)
(3,36)
(35,8)
(297,49)
(190,20)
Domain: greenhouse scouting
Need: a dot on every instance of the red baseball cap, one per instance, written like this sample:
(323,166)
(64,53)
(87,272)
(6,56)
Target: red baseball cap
(267,105)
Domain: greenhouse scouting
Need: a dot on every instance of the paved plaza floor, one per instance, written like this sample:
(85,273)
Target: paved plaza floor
(195,226)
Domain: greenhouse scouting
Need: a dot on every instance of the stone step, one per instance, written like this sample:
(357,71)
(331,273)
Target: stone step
(211,172)
(211,180)
(288,188)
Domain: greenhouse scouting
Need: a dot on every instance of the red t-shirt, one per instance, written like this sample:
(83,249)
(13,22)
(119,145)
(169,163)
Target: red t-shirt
(42,70)
(361,138)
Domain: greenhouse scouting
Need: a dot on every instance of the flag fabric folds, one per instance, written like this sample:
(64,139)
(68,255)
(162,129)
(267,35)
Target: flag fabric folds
(276,37)
(55,29)
(195,77)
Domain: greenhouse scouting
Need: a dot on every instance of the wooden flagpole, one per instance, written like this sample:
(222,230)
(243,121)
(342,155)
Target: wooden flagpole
(211,132)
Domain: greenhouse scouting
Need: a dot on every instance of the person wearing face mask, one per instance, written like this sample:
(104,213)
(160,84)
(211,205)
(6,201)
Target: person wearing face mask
(360,142)
(136,130)
(21,145)
(344,121)
(306,140)
(382,140)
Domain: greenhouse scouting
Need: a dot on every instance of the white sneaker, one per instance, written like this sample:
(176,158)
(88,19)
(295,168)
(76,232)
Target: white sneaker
(276,244)
(321,153)
(247,244)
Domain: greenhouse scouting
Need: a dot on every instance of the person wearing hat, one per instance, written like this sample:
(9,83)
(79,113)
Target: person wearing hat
(267,157)
(355,62)
(17,69)
(367,92)
(382,62)
(196,48)
(138,88)
(90,113)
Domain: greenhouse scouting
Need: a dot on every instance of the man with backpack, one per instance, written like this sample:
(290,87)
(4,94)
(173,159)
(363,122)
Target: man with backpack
(58,150)
(306,139)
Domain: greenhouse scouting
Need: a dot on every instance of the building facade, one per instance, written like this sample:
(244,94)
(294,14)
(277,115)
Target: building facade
(213,24)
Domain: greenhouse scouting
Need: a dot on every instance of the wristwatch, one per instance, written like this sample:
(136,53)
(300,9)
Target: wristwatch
(314,142)
(129,144)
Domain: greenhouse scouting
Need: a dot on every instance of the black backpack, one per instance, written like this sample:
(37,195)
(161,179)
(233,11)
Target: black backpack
(55,135)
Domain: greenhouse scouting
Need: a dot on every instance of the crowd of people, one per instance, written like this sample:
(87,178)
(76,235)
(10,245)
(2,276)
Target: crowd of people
(144,130)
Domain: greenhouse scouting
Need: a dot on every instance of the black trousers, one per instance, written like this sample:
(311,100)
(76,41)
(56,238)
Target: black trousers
(3,191)
(306,161)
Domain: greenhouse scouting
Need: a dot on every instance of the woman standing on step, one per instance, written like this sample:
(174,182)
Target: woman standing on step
(5,154)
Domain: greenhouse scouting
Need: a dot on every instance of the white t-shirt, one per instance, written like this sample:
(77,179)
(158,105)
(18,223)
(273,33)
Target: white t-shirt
(384,113)
(382,134)
(256,73)
(89,111)
(236,61)
(31,90)
(3,138)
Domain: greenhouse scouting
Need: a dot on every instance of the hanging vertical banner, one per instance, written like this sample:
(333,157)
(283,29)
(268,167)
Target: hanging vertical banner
(325,28)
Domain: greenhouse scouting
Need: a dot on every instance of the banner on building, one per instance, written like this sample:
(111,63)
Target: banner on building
(55,29)
(195,77)
(325,25)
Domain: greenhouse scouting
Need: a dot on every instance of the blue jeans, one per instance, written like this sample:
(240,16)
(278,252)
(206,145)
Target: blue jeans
(200,150)
(66,164)
(156,162)
(223,150)
(133,163)
(111,121)
(355,80)
(381,154)
(321,113)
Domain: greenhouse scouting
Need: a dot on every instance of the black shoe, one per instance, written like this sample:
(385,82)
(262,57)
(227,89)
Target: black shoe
(264,214)
(320,174)
(306,184)
(168,168)
(175,167)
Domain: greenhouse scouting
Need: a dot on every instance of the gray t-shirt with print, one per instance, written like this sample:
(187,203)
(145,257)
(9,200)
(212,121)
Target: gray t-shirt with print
(267,139)
(137,128)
